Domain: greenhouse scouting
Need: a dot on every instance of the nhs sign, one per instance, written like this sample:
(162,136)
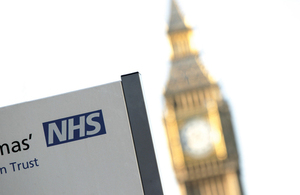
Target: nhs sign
(74,128)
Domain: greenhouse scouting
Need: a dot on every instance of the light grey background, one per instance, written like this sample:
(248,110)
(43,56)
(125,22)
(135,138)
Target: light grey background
(104,164)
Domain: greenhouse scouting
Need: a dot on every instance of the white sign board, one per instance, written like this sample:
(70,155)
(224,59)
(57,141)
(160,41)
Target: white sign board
(75,143)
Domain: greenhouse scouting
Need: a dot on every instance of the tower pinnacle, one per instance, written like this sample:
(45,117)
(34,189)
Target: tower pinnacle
(187,71)
(176,21)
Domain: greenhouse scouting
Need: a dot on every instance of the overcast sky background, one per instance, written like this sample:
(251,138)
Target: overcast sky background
(250,47)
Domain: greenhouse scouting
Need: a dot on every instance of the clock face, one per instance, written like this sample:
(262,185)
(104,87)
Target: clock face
(196,138)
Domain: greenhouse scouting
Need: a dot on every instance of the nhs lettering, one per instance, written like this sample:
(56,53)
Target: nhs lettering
(74,128)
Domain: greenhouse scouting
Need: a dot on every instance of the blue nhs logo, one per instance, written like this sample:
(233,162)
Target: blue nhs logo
(74,128)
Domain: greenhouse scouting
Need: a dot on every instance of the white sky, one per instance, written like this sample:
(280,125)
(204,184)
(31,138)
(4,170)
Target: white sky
(251,47)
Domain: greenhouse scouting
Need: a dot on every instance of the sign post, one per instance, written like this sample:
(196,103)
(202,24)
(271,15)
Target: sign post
(91,141)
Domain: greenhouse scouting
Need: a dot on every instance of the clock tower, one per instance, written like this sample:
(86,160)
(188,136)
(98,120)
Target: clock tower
(197,121)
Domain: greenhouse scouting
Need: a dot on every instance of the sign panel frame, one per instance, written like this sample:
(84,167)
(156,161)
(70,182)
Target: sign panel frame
(116,158)
(141,134)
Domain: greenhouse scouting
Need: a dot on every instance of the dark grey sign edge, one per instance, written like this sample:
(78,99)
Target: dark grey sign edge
(141,134)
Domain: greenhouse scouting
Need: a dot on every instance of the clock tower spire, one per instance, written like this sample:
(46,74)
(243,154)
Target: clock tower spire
(197,120)
(186,70)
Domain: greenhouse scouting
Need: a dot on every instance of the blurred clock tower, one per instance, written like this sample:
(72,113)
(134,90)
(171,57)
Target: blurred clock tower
(197,121)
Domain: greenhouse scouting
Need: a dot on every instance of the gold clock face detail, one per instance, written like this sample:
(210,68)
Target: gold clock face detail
(196,139)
